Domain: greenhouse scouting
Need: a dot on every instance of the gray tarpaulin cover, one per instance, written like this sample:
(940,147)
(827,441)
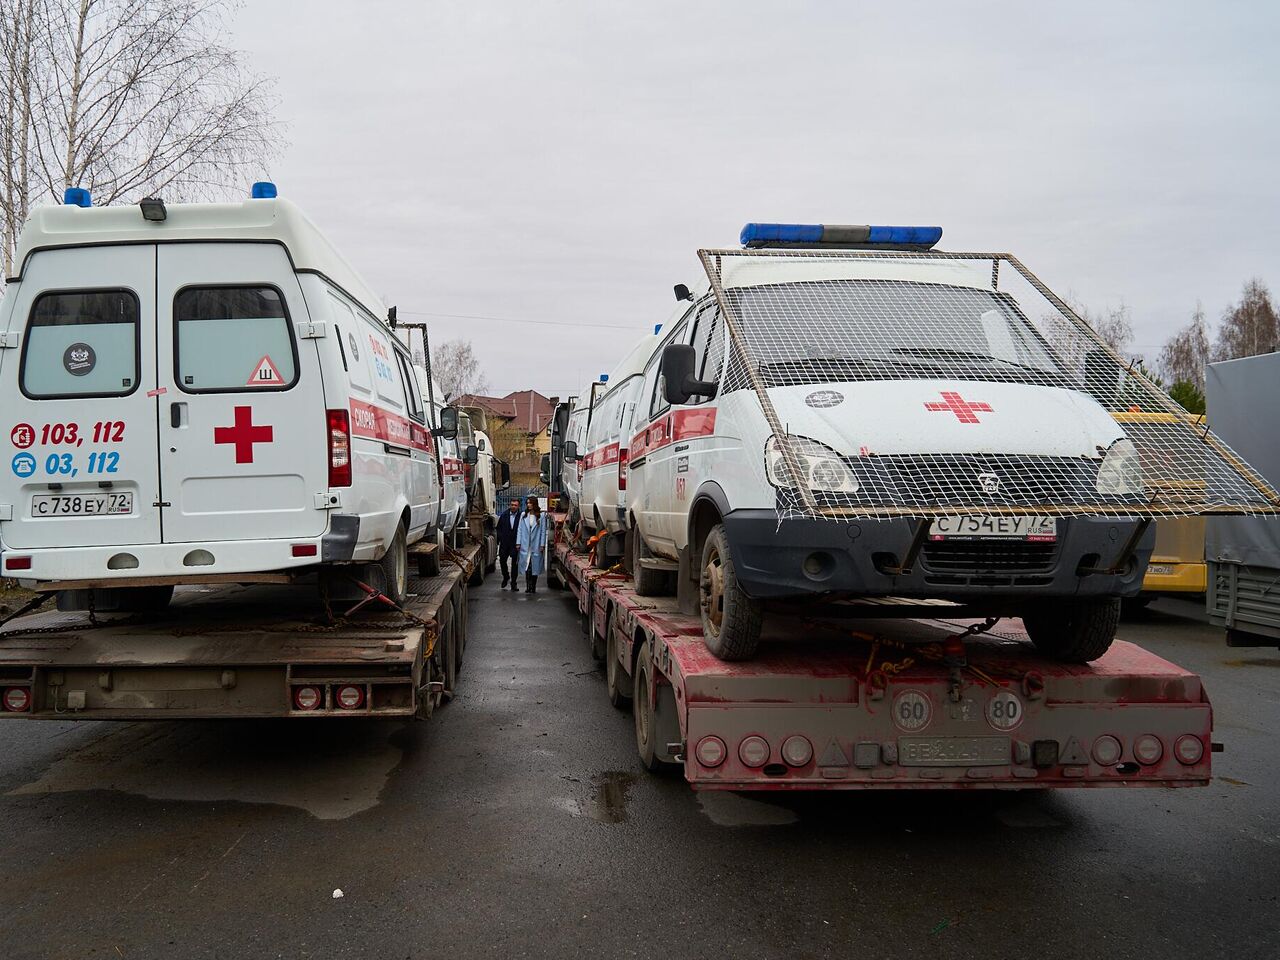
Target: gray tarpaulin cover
(1244,410)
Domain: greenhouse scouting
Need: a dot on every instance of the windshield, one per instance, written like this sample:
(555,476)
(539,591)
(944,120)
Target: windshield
(889,329)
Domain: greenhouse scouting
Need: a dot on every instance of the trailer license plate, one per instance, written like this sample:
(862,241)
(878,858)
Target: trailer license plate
(994,528)
(953,751)
(82,505)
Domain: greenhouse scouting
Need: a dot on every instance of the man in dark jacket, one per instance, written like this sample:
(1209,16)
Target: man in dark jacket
(508,526)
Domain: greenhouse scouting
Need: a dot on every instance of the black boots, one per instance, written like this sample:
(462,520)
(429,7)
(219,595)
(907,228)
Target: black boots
(530,583)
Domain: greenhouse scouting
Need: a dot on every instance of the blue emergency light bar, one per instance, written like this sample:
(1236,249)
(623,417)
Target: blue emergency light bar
(604,378)
(76,197)
(838,235)
(264,190)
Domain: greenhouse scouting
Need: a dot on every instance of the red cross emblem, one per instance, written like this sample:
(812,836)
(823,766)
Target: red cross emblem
(965,411)
(244,434)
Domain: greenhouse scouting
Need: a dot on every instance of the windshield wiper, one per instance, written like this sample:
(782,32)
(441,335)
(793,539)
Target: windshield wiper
(971,355)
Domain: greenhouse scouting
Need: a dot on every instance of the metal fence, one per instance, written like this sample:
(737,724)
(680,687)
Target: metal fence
(520,492)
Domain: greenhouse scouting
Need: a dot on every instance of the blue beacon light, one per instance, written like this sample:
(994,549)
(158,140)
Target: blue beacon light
(264,190)
(77,197)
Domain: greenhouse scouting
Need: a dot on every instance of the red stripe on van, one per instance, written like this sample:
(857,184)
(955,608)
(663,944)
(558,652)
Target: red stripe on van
(673,428)
(602,457)
(374,423)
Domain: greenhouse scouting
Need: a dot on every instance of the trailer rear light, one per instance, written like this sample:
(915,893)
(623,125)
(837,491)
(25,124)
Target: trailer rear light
(1189,749)
(754,751)
(1106,751)
(797,751)
(304,550)
(1148,749)
(17,563)
(339,423)
(307,698)
(711,751)
(350,697)
(17,699)
(623,460)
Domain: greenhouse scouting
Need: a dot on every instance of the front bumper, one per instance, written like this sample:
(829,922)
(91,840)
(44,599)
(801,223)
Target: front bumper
(802,557)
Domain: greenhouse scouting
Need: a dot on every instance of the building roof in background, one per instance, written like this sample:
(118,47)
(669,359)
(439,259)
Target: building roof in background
(527,410)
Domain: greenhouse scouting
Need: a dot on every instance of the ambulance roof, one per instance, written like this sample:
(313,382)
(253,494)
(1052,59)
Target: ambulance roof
(275,220)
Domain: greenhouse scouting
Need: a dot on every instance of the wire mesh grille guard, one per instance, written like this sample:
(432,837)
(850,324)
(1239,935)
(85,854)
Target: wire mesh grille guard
(936,384)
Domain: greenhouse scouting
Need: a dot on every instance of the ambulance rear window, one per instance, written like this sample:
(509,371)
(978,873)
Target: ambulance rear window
(81,344)
(232,339)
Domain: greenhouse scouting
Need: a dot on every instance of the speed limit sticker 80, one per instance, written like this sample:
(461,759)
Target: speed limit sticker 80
(1004,710)
(911,710)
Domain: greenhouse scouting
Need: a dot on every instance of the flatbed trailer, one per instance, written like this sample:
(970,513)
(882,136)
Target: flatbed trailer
(887,702)
(258,650)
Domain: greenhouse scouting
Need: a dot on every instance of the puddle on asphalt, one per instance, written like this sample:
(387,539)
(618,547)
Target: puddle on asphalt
(610,792)
(331,773)
(736,810)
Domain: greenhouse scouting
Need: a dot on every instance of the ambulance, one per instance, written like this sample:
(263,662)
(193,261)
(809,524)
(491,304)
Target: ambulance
(571,428)
(603,488)
(203,393)
(889,377)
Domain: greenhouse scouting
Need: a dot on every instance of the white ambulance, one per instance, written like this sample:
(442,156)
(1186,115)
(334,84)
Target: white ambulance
(573,431)
(959,381)
(202,392)
(603,490)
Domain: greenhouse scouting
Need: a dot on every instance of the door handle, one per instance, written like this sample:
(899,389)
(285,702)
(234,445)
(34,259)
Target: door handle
(177,414)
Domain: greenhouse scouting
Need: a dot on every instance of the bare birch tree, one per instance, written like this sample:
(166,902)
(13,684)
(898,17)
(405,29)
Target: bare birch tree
(127,98)
(1250,327)
(1184,355)
(457,369)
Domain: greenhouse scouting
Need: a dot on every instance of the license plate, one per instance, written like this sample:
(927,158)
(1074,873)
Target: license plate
(1160,569)
(994,528)
(953,751)
(82,505)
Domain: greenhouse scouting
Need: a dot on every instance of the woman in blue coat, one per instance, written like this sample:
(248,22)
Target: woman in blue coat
(531,544)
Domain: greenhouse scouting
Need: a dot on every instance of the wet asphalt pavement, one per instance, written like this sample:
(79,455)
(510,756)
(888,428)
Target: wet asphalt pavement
(518,823)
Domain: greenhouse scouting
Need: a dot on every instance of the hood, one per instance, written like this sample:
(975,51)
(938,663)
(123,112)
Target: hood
(939,416)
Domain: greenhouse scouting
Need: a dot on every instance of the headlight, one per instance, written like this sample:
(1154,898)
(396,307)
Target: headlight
(1121,471)
(821,468)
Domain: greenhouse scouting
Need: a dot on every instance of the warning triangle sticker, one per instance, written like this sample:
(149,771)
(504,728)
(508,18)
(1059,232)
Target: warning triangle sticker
(265,375)
(1073,754)
(833,756)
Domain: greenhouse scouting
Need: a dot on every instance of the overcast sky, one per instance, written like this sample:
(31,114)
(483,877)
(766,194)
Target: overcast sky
(561,162)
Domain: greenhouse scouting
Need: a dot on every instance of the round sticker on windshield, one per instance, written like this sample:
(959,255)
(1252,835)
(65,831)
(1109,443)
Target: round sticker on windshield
(824,398)
(79,359)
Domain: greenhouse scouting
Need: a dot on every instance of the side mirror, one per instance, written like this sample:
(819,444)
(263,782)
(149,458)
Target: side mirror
(471,455)
(506,475)
(448,424)
(544,469)
(571,450)
(683,292)
(678,382)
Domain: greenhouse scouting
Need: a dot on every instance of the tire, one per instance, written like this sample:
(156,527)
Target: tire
(731,621)
(648,583)
(491,553)
(460,635)
(643,714)
(482,564)
(1074,631)
(145,599)
(394,567)
(615,678)
(448,649)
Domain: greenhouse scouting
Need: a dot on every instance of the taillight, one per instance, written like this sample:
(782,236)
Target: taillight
(17,563)
(339,448)
(17,699)
(349,697)
(622,468)
(307,698)
(304,550)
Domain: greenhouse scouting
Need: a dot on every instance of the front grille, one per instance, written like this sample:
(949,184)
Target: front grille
(972,558)
(933,481)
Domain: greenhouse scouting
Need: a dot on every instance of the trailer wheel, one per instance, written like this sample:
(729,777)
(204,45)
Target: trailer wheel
(648,583)
(643,713)
(460,634)
(1074,631)
(481,564)
(395,568)
(731,621)
(614,676)
(448,649)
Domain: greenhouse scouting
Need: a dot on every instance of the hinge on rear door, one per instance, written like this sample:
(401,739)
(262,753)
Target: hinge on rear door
(310,331)
(9,341)
(328,501)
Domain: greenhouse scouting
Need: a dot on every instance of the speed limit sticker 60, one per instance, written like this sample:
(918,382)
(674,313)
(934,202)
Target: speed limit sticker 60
(1004,710)
(911,710)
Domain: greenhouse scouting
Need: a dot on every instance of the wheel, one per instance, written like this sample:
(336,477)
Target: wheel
(731,621)
(1073,631)
(615,677)
(145,599)
(460,636)
(448,649)
(394,566)
(482,564)
(643,714)
(648,583)
(491,554)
